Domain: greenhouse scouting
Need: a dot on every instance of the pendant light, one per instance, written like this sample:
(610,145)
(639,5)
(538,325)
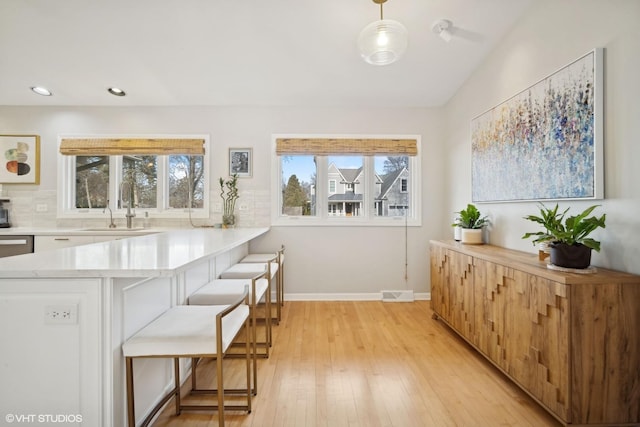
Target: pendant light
(384,41)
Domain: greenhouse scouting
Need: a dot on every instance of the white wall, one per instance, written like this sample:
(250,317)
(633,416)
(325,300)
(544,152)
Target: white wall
(552,34)
(320,260)
(364,259)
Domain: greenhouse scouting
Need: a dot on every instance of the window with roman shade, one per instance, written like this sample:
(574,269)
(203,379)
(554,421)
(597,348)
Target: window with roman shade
(346,180)
(168,176)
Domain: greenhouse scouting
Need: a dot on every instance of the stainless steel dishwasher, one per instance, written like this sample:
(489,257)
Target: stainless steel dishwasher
(15,245)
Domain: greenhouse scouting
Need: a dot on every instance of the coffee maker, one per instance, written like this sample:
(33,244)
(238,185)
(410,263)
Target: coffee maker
(4,215)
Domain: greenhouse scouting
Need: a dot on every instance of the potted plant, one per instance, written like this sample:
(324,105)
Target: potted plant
(471,224)
(570,246)
(229,195)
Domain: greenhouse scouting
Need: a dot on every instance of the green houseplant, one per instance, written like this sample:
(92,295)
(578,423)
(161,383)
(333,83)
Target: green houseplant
(569,239)
(229,195)
(471,223)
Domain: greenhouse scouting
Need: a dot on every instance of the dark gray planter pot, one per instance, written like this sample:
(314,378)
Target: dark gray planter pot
(570,256)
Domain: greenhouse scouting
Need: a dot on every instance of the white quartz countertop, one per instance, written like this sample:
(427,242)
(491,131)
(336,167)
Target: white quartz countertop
(160,254)
(94,231)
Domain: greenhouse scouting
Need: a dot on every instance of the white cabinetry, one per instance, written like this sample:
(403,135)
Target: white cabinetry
(56,366)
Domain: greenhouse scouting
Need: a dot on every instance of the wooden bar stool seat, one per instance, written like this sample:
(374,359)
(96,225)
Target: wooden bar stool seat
(190,332)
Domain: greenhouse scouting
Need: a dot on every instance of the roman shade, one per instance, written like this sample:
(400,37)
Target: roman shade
(355,146)
(119,146)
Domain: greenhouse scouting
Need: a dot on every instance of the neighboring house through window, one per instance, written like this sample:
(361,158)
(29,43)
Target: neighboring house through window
(321,185)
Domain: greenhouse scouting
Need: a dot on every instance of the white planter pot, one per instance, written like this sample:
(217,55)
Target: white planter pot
(472,236)
(457,233)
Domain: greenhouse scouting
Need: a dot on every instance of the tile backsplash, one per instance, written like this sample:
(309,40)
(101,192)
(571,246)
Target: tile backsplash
(38,209)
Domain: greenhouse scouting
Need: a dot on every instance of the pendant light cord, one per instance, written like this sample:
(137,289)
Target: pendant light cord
(406,249)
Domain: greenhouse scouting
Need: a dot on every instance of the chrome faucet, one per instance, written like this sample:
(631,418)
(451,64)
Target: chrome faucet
(126,192)
(111,223)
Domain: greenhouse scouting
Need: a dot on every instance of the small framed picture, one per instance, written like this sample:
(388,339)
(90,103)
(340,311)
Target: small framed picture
(240,160)
(21,159)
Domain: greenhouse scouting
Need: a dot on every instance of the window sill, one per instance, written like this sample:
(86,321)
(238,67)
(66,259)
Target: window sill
(344,222)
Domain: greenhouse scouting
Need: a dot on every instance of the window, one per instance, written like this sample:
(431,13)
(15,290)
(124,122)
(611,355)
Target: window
(347,171)
(391,178)
(332,186)
(142,173)
(165,185)
(298,185)
(336,188)
(92,181)
(186,182)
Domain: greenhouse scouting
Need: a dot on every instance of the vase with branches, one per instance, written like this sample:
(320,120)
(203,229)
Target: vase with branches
(229,195)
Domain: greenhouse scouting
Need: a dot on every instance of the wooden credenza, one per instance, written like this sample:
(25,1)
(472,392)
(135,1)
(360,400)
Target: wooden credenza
(570,340)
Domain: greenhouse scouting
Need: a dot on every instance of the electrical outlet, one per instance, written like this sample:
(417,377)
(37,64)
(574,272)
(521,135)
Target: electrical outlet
(217,207)
(243,207)
(42,207)
(61,314)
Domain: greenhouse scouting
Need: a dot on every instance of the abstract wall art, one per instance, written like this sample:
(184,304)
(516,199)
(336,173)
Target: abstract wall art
(546,142)
(20,159)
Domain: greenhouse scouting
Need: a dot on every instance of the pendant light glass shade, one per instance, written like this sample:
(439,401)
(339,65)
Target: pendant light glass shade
(383,42)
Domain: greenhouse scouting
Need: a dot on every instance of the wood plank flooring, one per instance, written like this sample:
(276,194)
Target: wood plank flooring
(370,364)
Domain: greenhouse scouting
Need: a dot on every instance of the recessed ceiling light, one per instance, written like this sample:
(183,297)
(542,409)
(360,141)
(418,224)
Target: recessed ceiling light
(41,90)
(115,91)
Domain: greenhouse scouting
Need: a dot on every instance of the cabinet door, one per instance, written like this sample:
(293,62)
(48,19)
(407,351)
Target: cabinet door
(439,280)
(537,339)
(491,284)
(461,293)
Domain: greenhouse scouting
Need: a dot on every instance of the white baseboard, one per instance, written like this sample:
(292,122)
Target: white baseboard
(374,296)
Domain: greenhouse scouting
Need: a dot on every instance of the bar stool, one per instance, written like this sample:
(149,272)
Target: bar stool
(220,291)
(194,332)
(266,257)
(248,270)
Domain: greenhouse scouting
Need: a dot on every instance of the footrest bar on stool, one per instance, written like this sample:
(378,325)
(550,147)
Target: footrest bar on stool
(215,408)
(214,392)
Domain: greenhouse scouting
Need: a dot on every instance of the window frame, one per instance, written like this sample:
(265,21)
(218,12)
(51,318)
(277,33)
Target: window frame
(322,217)
(67,173)
(333,186)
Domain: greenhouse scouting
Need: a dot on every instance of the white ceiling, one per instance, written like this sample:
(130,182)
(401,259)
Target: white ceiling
(239,52)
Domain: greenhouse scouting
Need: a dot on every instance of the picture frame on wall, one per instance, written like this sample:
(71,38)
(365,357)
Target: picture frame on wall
(546,142)
(240,162)
(20,156)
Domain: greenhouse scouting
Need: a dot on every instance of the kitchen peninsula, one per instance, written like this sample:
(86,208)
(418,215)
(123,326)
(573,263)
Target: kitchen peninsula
(64,314)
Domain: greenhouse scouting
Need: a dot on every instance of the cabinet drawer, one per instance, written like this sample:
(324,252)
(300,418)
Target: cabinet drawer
(46,243)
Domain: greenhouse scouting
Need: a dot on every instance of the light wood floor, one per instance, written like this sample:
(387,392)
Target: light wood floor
(369,364)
